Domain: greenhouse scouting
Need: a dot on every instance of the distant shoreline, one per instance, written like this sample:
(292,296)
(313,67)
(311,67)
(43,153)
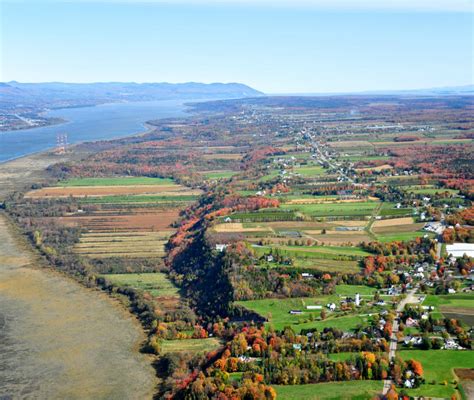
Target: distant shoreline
(148,128)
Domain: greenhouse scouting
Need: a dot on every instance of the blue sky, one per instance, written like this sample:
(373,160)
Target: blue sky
(277,46)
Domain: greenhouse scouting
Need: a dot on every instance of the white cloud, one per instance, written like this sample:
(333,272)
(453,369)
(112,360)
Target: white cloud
(385,5)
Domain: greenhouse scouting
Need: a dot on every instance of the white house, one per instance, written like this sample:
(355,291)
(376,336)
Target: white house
(221,247)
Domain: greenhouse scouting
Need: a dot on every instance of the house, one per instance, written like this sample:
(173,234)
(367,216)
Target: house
(227,219)
(393,291)
(357,299)
(314,307)
(435,227)
(410,322)
(297,346)
(221,247)
(307,275)
(450,344)
(380,303)
(451,291)
(269,258)
(295,312)
(331,306)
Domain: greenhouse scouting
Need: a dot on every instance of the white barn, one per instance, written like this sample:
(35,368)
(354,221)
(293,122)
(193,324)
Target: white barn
(459,249)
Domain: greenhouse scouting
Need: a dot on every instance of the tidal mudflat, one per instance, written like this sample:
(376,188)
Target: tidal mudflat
(60,340)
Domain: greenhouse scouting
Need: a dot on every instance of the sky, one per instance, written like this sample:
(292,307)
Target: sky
(276,46)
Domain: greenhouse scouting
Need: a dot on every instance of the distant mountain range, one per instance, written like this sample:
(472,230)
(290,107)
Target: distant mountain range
(58,94)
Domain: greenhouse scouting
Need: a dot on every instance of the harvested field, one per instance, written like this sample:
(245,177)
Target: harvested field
(394,229)
(351,143)
(239,227)
(222,156)
(189,345)
(391,222)
(121,246)
(94,191)
(152,221)
(349,223)
(465,373)
(116,181)
(379,168)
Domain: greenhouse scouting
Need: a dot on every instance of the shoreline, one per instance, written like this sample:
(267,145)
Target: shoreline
(145,128)
(148,128)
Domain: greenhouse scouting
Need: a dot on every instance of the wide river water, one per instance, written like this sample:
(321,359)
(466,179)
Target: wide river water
(104,121)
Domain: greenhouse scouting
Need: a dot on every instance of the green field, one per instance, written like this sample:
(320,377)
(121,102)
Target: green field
(268,214)
(324,252)
(354,390)
(271,175)
(327,265)
(362,208)
(219,175)
(364,158)
(131,199)
(402,236)
(277,311)
(351,290)
(458,300)
(438,365)
(310,171)
(156,283)
(116,181)
(388,209)
(430,190)
(189,345)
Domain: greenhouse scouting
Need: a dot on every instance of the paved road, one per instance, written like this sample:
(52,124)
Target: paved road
(410,298)
(316,145)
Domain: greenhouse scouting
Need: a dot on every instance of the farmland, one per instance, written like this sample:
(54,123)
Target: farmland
(192,346)
(283,226)
(114,190)
(439,375)
(277,311)
(157,284)
(334,209)
(330,391)
(118,181)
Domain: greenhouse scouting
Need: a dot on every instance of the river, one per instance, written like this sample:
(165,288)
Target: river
(105,121)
